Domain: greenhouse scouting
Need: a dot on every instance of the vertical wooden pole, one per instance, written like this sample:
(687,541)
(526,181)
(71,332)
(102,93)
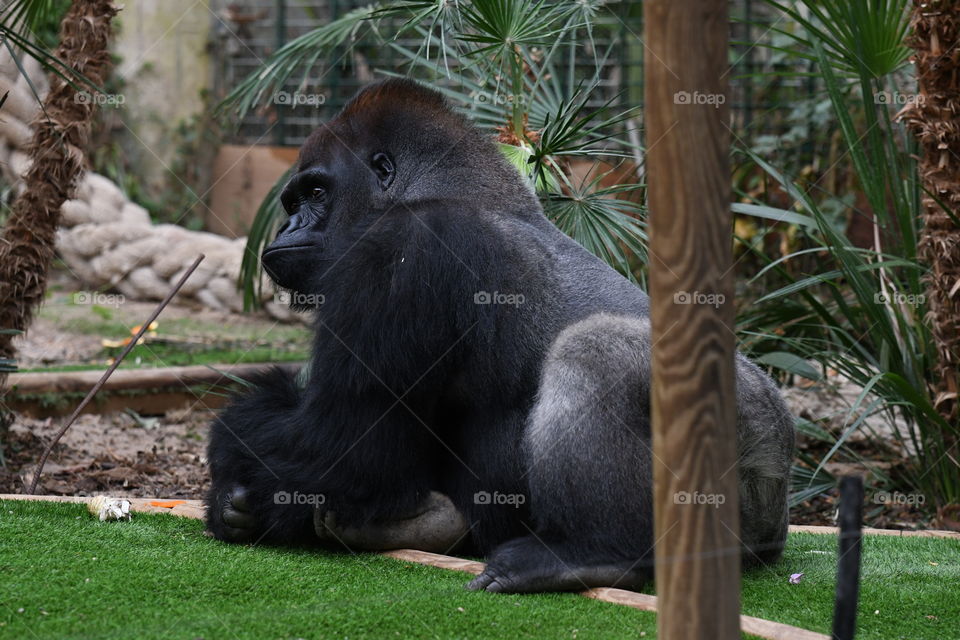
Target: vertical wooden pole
(696,513)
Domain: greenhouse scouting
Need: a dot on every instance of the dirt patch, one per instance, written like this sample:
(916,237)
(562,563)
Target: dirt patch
(117,453)
(162,457)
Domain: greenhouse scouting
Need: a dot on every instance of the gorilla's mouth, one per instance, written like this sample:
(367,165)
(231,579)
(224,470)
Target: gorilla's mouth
(285,248)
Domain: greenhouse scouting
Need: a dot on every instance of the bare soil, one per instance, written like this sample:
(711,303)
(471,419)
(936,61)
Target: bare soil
(163,457)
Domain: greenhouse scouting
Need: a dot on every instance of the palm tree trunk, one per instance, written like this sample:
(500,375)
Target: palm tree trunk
(935,120)
(60,135)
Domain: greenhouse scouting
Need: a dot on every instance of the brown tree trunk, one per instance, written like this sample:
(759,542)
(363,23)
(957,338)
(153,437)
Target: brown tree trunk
(935,119)
(60,135)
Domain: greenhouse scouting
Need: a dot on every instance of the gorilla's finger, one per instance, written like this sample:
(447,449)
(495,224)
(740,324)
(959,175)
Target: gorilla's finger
(238,519)
(239,498)
(479,583)
(495,587)
(232,534)
(325,525)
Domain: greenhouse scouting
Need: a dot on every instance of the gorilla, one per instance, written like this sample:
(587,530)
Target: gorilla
(478,381)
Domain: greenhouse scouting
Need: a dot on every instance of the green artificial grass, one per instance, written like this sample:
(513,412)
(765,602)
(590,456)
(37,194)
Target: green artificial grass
(63,574)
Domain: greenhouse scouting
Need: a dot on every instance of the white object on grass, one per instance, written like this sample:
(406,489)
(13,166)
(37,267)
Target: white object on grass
(107,508)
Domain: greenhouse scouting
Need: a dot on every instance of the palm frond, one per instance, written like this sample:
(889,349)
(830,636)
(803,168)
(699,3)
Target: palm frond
(859,36)
(607,224)
(267,220)
(19,19)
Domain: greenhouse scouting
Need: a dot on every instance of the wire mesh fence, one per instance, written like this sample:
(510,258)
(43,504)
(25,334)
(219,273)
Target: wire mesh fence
(764,88)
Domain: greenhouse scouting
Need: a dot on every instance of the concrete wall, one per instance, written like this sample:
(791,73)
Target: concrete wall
(164,46)
(242,176)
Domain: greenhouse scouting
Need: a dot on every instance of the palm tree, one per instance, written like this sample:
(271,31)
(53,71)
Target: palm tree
(61,131)
(935,120)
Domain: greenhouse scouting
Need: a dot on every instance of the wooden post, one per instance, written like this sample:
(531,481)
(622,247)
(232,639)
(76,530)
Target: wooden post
(696,511)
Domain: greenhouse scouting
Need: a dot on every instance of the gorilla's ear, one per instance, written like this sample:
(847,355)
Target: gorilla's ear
(383,166)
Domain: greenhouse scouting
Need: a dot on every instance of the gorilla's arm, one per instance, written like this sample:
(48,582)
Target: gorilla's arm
(277,452)
(246,457)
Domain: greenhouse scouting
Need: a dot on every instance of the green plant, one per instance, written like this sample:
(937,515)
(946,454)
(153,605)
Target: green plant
(510,66)
(8,365)
(862,316)
(30,27)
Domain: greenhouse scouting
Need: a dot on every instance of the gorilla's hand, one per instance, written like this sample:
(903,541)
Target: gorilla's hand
(233,510)
(435,526)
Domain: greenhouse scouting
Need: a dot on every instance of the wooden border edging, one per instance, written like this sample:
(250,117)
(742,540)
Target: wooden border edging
(924,533)
(195,509)
(184,508)
(642,601)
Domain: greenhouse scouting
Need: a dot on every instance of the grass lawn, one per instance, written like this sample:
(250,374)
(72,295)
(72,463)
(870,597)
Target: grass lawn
(63,574)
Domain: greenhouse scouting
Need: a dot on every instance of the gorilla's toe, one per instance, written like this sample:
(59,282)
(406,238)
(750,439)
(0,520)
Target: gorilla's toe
(493,581)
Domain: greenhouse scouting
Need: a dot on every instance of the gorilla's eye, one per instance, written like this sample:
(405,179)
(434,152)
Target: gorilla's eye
(317,192)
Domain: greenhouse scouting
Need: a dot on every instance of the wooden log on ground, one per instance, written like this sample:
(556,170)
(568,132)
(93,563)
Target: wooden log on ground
(126,379)
(36,394)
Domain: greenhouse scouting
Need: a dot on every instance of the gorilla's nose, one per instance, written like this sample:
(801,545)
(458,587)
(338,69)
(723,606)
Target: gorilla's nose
(292,223)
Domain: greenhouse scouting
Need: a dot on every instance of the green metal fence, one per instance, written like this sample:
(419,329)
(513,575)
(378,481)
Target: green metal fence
(259,27)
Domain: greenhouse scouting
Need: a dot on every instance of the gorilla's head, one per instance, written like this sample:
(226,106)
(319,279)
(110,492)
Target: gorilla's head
(395,145)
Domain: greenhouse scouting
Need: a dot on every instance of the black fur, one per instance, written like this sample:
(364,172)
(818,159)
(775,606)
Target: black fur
(415,386)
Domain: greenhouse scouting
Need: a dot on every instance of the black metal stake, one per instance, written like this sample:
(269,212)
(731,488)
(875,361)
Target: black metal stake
(848,563)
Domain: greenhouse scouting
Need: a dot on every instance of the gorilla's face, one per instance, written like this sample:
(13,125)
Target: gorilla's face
(335,190)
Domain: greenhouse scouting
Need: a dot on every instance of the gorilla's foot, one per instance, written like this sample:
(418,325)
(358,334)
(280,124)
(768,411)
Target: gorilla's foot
(527,565)
(237,522)
(436,525)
